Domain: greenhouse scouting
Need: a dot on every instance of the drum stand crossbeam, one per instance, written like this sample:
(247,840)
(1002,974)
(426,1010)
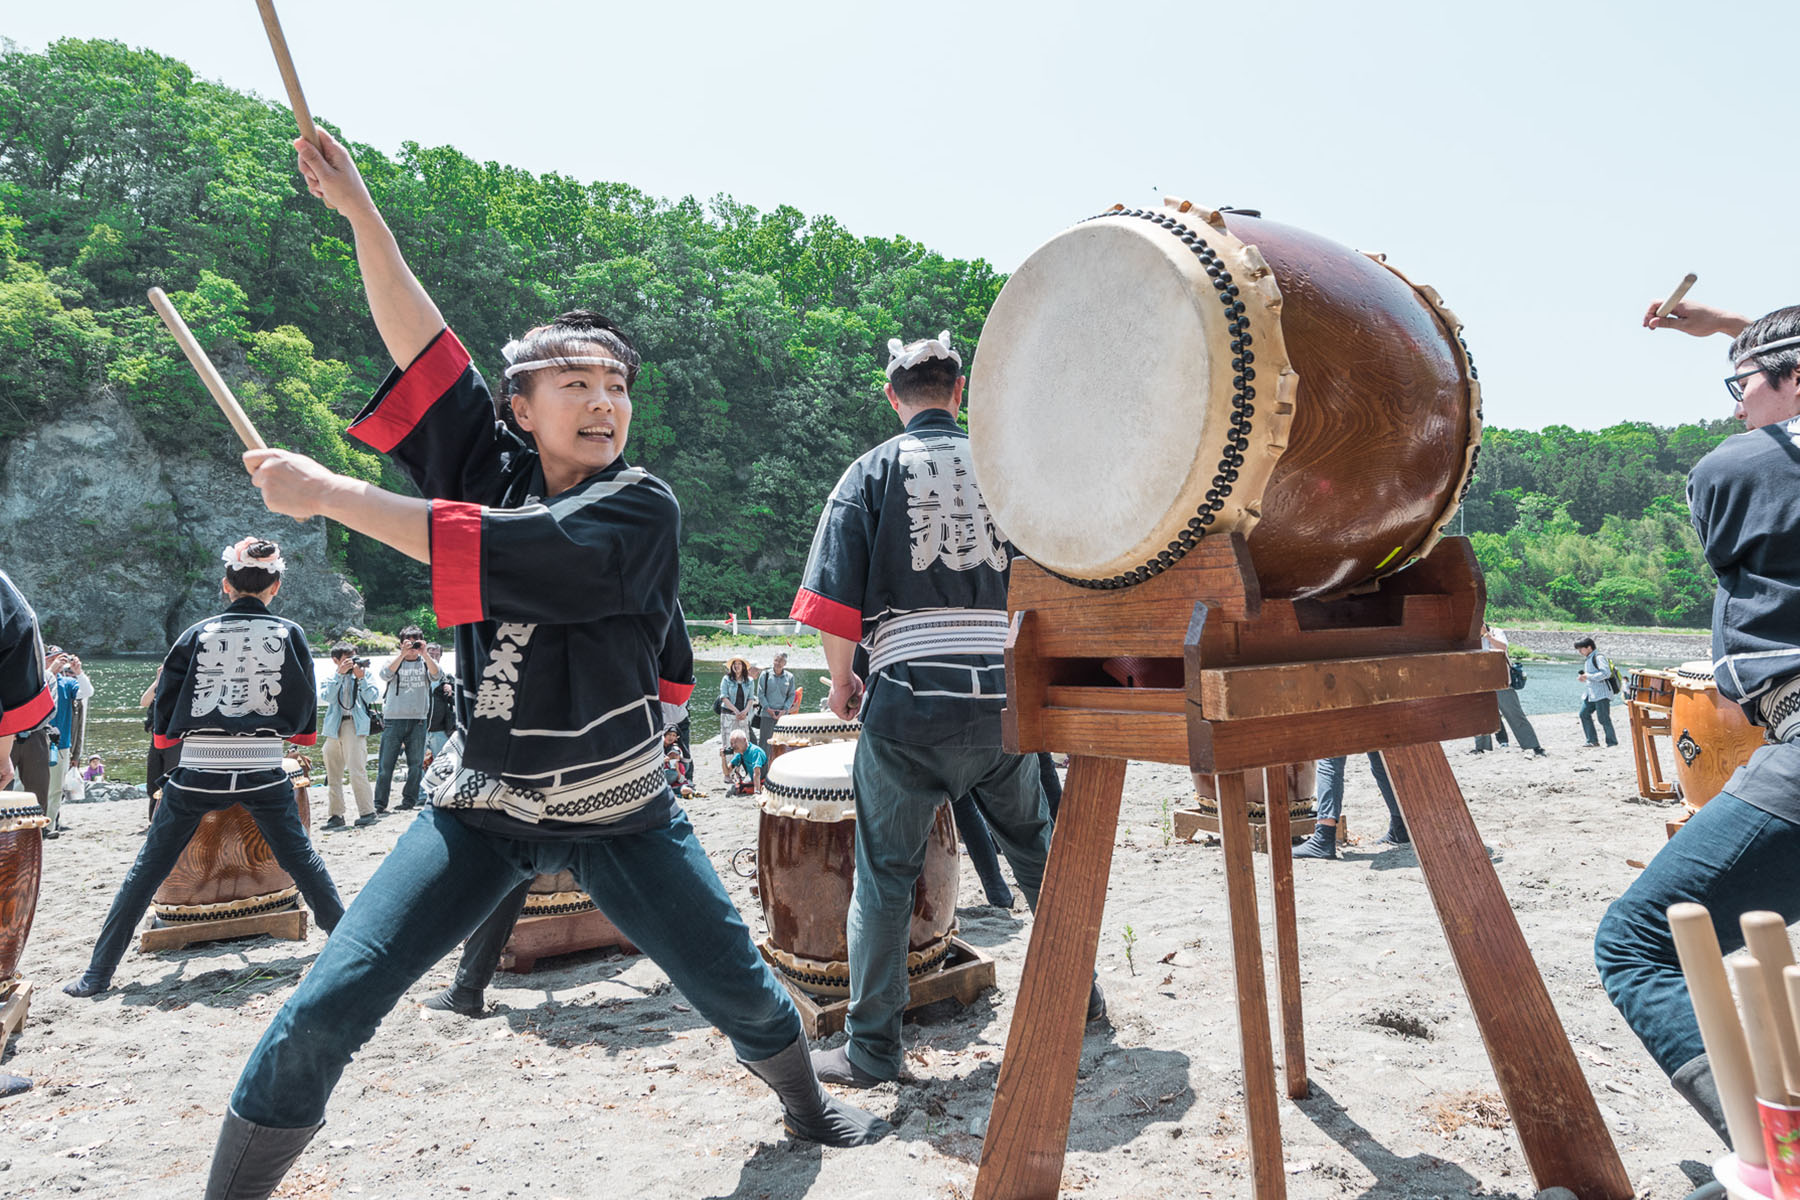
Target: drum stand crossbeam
(1259,684)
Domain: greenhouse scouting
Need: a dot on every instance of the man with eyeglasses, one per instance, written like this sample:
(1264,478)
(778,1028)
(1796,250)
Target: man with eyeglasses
(1737,854)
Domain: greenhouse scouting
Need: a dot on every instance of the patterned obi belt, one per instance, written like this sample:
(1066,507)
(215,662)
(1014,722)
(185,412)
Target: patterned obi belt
(934,632)
(208,753)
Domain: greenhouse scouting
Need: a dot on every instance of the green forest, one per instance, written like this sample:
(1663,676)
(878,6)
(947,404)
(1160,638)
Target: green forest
(762,333)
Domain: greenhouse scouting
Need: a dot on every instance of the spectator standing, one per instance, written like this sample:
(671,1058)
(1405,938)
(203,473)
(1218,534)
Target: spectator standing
(409,677)
(737,692)
(1512,713)
(1323,842)
(69,684)
(442,721)
(348,698)
(775,690)
(1597,684)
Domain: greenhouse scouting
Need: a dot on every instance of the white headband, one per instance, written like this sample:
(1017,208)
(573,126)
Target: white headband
(575,360)
(237,558)
(902,359)
(1766,348)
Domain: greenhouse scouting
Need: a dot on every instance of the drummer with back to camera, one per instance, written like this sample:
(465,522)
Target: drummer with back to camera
(1738,852)
(552,558)
(232,689)
(907,560)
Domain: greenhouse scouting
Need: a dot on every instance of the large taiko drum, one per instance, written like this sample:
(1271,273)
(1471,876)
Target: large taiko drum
(1712,736)
(797,730)
(228,869)
(1651,688)
(806,863)
(1150,377)
(22,824)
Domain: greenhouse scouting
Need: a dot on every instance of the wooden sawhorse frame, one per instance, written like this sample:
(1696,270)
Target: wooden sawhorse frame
(1261,683)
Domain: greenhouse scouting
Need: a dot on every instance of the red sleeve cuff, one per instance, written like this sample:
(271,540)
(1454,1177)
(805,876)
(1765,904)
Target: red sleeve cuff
(28,715)
(169,743)
(821,613)
(673,693)
(399,412)
(456,562)
(310,739)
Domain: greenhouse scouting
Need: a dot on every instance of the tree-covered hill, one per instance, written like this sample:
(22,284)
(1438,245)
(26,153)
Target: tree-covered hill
(763,333)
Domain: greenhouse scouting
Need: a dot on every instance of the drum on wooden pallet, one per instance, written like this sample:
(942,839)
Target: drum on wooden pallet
(228,869)
(806,863)
(811,729)
(1213,372)
(1712,736)
(22,824)
(559,918)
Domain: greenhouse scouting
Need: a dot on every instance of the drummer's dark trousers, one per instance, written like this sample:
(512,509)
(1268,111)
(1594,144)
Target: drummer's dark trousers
(1731,857)
(187,796)
(898,789)
(441,880)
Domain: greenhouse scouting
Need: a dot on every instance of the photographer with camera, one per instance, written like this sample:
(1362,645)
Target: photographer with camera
(69,683)
(349,696)
(409,675)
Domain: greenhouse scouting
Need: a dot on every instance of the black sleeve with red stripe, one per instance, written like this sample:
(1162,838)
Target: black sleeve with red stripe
(436,420)
(837,569)
(168,691)
(25,697)
(675,665)
(308,734)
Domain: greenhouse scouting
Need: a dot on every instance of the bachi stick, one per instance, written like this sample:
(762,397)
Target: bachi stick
(1662,310)
(291,80)
(209,374)
(1697,944)
(1766,937)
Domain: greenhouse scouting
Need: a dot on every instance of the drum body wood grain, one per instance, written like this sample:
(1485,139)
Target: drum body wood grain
(228,870)
(1712,736)
(1217,372)
(21,874)
(806,865)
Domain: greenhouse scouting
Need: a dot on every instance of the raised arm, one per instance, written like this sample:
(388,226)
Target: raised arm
(404,315)
(1700,320)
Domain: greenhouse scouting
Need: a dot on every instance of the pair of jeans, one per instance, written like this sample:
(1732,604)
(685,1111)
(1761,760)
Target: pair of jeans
(187,796)
(408,734)
(1331,789)
(1589,708)
(1512,713)
(899,788)
(1732,857)
(347,752)
(444,878)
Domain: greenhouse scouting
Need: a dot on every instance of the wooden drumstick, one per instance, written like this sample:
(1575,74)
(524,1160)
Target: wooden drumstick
(1698,947)
(297,98)
(1765,935)
(1662,310)
(1759,1029)
(209,374)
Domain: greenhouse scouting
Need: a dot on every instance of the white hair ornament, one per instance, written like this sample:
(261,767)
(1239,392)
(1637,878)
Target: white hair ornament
(237,558)
(902,358)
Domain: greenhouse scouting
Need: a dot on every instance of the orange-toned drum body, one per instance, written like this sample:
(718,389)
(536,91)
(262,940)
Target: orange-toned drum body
(1712,736)
(805,867)
(21,873)
(228,870)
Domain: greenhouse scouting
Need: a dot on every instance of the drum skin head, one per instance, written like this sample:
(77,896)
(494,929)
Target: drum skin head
(1101,397)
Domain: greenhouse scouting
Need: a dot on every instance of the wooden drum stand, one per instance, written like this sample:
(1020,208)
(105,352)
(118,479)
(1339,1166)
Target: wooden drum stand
(1262,683)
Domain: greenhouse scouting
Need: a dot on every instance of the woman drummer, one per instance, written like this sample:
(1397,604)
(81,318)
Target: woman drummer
(556,562)
(232,689)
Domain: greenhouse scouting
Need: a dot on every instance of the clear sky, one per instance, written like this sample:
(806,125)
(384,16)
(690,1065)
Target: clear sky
(1548,167)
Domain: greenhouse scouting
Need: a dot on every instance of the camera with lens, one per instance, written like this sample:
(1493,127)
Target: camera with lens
(415,643)
(360,662)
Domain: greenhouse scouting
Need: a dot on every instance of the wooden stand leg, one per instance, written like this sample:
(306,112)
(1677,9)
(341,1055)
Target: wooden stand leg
(1262,1112)
(1287,942)
(1559,1125)
(1028,1128)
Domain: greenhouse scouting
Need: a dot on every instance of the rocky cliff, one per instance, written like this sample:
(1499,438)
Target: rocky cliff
(116,543)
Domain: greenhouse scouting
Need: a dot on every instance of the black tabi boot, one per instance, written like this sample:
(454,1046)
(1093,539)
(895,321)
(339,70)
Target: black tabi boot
(1693,1082)
(470,1002)
(1096,1010)
(1322,843)
(250,1159)
(808,1111)
(87,985)
(1395,836)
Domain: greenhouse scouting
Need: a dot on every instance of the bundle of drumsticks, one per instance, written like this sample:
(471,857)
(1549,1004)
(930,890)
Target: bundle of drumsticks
(1754,1044)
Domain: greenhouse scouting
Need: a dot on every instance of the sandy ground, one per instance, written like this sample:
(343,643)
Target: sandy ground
(594,1075)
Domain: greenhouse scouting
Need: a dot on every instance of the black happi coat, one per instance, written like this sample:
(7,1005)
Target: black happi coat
(563,606)
(243,673)
(26,700)
(906,560)
(1745,502)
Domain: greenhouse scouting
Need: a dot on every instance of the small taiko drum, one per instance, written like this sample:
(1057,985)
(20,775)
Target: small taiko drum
(555,896)
(806,864)
(1303,788)
(811,729)
(21,873)
(228,869)
(1712,736)
(1650,688)
(1214,373)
